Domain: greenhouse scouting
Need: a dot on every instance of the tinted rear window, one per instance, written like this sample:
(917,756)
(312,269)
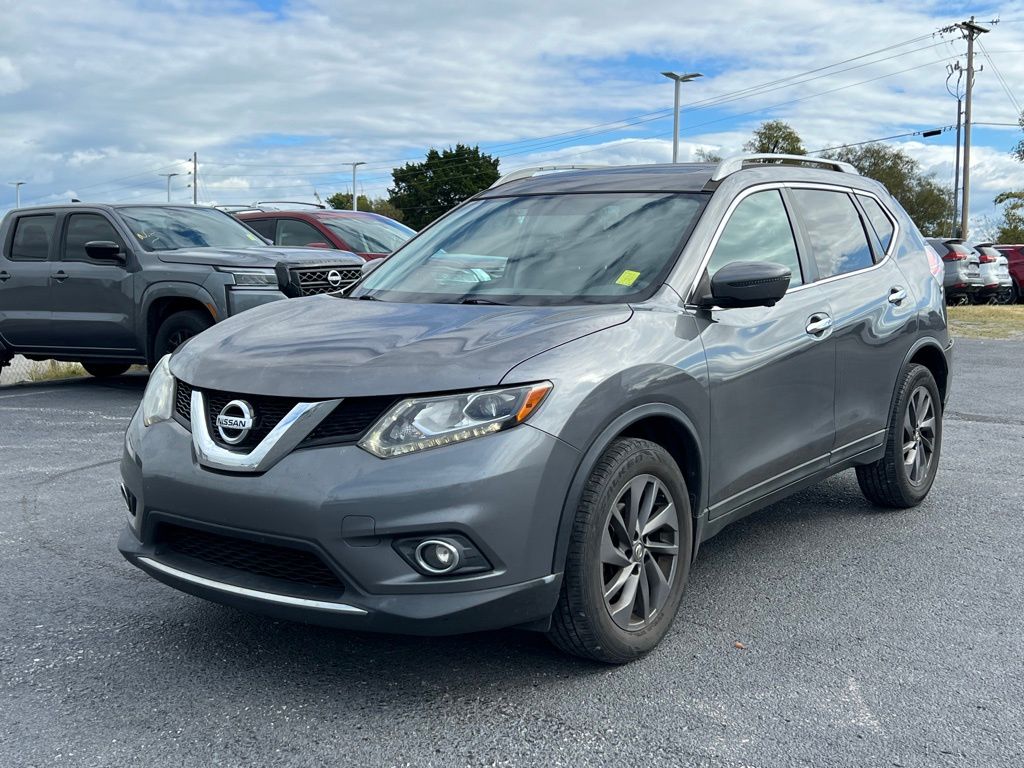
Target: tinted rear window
(881,223)
(835,230)
(32,237)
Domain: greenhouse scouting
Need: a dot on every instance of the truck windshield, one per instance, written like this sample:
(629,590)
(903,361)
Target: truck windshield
(541,249)
(170,228)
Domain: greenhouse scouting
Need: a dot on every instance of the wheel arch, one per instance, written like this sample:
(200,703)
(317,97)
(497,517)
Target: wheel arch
(929,353)
(165,300)
(661,423)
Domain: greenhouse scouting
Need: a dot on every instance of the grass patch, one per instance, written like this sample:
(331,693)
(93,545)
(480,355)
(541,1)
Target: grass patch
(51,370)
(987,321)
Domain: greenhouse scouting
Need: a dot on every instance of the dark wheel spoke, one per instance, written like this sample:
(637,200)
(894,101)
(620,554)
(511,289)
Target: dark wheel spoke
(615,586)
(622,609)
(611,554)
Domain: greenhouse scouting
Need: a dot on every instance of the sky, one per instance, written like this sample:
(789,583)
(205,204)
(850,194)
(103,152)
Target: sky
(99,97)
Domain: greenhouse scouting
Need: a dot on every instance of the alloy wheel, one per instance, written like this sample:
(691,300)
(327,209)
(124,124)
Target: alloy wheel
(639,552)
(178,338)
(919,435)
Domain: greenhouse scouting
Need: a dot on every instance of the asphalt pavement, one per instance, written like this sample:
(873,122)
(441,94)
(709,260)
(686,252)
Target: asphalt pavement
(869,638)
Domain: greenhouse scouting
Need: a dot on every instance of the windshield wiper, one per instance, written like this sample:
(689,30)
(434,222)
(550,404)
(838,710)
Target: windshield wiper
(478,300)
(364,297)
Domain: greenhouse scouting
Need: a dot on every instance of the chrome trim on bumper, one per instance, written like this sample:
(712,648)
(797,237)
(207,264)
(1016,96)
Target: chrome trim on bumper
(282,440)
(270,597)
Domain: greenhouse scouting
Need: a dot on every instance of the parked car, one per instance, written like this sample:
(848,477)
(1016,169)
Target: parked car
(370,235)
(962,279)
(996,283)
(113,285)
(1015,257)
(534,412)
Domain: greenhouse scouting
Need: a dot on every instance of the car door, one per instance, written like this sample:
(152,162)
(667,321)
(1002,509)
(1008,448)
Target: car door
(93,301)
(851,237)
(25,311)
(771,370)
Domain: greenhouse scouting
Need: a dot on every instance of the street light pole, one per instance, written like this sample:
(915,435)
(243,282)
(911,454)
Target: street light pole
(17,192)
(169,177)
(675,110)
(355,204)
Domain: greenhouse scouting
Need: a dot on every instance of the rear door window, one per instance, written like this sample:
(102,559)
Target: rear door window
(32,237)
(758,230)
(295,232)
(266,227)
(881,223)
(835,231)
(85,228)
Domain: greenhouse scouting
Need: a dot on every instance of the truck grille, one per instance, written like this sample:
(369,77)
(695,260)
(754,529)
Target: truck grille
(317,280)
(269,560)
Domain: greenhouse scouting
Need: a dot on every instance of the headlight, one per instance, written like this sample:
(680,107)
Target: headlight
(253,278)
(429,422)
(158,401)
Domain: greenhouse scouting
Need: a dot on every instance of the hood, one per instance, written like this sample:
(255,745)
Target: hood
(324,346)
(259,256)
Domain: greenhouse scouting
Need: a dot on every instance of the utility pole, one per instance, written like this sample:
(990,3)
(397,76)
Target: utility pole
(17,192)
(971,31)
(169,177)
(959,71)
(355,197)
(195,179)
(675,109)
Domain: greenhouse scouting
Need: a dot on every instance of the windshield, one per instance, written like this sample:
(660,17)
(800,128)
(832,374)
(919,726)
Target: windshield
(168,229)
(541,249)
(369,235)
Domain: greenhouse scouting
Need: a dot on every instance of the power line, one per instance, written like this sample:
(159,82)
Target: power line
(1000,78)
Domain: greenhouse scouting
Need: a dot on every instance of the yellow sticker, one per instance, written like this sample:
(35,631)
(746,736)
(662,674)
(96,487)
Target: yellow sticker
(628,277)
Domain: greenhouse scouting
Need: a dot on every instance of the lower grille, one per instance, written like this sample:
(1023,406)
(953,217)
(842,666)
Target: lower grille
(269,560)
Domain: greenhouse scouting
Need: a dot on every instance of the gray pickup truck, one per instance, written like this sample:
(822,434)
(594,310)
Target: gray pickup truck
(113,285)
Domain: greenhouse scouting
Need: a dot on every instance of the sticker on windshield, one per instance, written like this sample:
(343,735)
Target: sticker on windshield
(628,277)
(251,236)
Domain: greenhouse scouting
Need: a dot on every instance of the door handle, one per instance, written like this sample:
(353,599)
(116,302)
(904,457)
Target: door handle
(819,324)
(4,276)
(896,295)
(60,276)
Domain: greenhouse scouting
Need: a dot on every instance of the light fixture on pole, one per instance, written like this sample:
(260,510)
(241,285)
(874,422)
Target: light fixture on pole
(17,192)
(355,204)
(675,111)
(169,177)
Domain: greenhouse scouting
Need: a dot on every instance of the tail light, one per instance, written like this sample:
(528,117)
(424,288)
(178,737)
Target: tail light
(954,256)
(933,263)
(986,259)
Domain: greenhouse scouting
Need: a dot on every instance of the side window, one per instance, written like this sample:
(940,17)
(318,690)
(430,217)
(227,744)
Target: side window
(881,223)
(758,230)
(84,228)
(32,237)
(835,230)
(295,232)
(265,227)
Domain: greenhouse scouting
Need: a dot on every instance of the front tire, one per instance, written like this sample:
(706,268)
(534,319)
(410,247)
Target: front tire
(177,329)
(913,443)
(106,370)
(629,556)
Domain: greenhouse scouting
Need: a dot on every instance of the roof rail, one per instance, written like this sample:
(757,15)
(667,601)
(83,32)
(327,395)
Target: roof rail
(526,173)
(735,163)
(261,203)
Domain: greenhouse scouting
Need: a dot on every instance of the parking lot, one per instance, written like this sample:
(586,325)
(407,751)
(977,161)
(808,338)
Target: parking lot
(867,638)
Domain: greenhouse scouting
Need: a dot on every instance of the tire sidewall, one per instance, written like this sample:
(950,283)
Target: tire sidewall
(918,376)
(191,320)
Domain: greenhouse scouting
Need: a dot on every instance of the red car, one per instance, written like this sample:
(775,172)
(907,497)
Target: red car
(1015,255)
(370,235)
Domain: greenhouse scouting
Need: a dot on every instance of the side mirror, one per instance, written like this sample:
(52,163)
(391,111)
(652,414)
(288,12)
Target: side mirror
(105,250)
(748,284)
(369,266)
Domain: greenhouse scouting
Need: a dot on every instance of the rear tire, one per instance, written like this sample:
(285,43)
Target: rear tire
(913,444)
(106,370)
(177,329)
(629,556)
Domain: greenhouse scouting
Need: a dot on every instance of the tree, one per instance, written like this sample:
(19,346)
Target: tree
(1018,151)
(381,205)
(706,156)
(927,201)
(777,138)
(424,191)
(1011,228)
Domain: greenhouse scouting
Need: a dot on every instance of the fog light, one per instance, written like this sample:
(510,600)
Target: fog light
(437,556)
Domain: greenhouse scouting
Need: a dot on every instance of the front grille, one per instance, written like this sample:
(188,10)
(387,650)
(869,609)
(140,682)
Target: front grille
(314,281)
(269,560)
(345,424)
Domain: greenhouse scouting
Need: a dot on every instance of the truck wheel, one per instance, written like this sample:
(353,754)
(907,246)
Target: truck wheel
(106,370)
(177,329)
(904,475)
(629,556)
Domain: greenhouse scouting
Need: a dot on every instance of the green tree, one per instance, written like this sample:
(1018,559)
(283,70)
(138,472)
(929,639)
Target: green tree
(927,201)
(776,137)
(381,205)
(706,156)
(424,191)
(1011,228)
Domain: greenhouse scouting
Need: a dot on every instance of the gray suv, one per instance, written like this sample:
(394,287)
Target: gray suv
(112,285)
(534,412)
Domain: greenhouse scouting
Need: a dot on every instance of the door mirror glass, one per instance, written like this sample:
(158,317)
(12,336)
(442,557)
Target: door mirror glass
(748,284)
(104,250)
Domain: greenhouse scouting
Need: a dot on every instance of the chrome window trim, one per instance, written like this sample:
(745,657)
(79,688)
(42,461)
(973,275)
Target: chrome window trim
(296,425)
(257,594)
(691,294)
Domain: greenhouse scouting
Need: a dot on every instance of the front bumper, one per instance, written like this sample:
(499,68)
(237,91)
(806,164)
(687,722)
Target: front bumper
(503,492)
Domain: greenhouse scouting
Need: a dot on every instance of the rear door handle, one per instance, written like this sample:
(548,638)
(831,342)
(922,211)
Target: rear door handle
(4,276)
(60,276)
(897,295)
(819,324)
